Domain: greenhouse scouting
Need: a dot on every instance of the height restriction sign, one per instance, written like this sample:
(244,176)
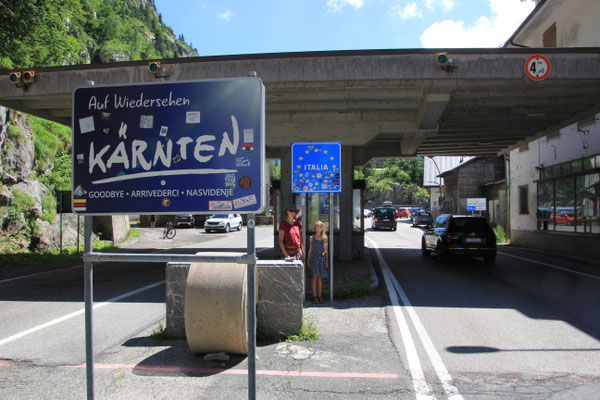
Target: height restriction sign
(537,67)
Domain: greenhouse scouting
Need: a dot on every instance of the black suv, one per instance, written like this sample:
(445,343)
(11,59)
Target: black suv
(460,235)
(384,217)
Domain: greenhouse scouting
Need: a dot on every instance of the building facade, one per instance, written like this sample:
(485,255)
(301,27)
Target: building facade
(554,180)
(480,177)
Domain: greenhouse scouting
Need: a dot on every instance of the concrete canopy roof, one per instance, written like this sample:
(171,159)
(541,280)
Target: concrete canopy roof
(383,103)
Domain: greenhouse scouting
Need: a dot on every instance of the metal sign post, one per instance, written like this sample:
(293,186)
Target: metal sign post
(251,290)
(331,235)
(89,303)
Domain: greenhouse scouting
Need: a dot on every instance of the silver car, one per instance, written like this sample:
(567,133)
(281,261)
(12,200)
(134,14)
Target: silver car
(223,222)
(422,217)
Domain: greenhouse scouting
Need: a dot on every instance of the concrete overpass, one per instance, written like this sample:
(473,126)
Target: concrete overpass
(378,103)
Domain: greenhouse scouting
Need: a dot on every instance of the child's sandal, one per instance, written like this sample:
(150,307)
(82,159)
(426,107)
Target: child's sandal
(322,300)
(315,300)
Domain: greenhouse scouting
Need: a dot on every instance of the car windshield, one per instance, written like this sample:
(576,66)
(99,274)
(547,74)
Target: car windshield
(469,224)
(220,216)
(384,213)
(424,214)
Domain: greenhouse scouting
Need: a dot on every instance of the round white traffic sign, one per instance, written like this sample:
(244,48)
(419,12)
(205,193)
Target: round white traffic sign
(537,67)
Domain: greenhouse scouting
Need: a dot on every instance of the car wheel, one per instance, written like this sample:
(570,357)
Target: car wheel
(424,251)
(440,252)
(239,228)
(227,228)
(489,258)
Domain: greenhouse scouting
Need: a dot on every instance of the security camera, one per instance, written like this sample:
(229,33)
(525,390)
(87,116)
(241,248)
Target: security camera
(28,77)
(153,67)
(441,58)
(158,71)
(15,78)
(445,62)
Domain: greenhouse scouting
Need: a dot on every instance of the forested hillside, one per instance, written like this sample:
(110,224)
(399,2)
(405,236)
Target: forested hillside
(37,33)
(36,154)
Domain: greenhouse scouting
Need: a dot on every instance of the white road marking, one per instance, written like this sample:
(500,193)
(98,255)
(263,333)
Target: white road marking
(422,389)
(77,313)
(551,266)
(40,273)
(434,357)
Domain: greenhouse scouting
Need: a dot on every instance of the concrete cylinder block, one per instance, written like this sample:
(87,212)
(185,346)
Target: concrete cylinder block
(215,310)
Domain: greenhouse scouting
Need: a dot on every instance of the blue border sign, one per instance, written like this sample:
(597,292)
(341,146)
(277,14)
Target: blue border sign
(477,204)
(317,167)
(169,148)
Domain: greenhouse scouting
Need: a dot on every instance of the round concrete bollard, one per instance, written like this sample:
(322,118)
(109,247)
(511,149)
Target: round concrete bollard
(215,308)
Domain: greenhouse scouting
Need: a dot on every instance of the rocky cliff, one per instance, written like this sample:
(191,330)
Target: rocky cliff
(28,217)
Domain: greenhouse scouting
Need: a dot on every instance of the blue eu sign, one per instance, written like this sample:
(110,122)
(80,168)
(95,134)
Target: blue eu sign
(316,167)
(167,148)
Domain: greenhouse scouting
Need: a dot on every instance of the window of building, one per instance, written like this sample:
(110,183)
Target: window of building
(549,36)
(523,200)
(569,197)
(318,210)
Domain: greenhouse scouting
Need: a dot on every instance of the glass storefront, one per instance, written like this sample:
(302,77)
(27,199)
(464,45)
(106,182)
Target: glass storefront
(569,196)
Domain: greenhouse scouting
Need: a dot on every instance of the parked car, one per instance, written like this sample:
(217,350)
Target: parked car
(414,210)
(422,217)
(184,220)
(564,218)
(223,222)
(460,235)
(367,213)
(403,212)
(384,217)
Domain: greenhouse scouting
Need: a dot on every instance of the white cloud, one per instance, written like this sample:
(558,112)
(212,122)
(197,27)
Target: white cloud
(492,31)
(447,5)
(336,5)
(411,10)
(226,15)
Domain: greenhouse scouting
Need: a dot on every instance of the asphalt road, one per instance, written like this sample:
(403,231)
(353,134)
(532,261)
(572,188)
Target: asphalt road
(42,313)
(528,325)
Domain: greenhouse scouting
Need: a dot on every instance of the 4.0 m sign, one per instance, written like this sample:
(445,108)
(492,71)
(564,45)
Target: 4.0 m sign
(167,148)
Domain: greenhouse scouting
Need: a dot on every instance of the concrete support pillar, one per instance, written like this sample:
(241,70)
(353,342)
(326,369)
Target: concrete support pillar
(344,244)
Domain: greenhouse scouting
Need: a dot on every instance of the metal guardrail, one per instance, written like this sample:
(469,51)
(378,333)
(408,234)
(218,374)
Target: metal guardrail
(184,258)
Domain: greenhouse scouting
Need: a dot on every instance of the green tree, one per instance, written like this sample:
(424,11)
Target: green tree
(380,183)
(275,170)
(38,32)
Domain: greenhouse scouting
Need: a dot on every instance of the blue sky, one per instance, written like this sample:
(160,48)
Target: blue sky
(222,27)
